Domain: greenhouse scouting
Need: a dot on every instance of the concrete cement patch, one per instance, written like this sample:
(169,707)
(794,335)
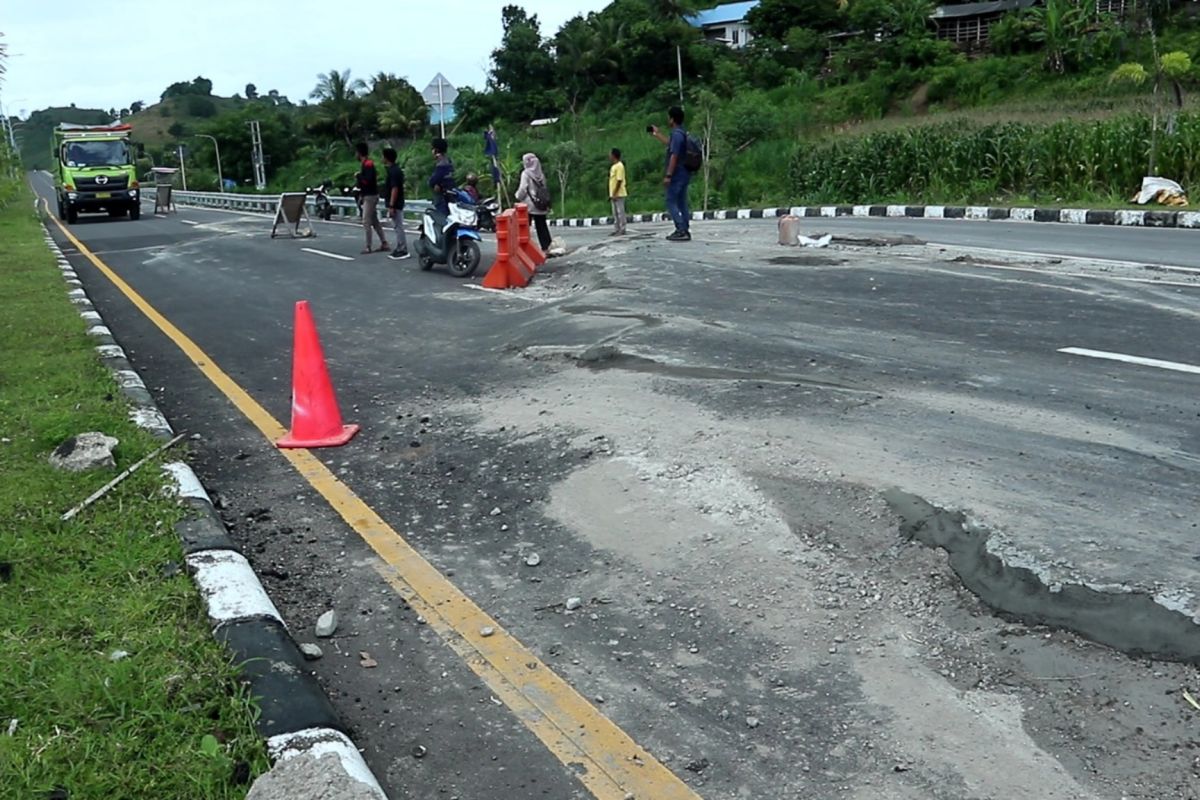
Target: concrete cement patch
(311,776)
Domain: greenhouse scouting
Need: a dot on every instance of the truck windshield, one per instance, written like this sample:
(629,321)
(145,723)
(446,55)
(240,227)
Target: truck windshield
(113,152)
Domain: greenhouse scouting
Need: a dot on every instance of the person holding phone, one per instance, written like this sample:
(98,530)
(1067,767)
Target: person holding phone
(677,176)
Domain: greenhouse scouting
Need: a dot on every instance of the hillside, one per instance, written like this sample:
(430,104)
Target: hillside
(37,132)
(164,125)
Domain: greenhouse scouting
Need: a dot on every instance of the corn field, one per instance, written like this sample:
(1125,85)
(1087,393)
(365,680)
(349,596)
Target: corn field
(1069,160)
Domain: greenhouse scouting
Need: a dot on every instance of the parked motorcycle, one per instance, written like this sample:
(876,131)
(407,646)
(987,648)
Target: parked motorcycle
(488,209)
(451,239)
(322,205)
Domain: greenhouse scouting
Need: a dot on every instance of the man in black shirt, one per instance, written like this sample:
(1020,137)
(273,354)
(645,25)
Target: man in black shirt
(368,190)
(393,193)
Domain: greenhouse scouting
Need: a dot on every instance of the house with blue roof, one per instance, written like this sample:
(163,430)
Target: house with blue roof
(725,24)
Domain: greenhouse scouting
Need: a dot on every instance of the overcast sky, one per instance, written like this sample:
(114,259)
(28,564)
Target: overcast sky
(109,53)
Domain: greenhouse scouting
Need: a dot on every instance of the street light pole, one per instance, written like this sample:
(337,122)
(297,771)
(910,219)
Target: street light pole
(182,168)
(217,148)
(679,66)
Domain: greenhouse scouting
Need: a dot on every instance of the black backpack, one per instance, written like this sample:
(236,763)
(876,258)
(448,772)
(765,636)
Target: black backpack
(693,158)
(539,194)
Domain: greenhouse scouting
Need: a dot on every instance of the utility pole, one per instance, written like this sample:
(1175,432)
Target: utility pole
(183,166)
(256,156)
(217,148)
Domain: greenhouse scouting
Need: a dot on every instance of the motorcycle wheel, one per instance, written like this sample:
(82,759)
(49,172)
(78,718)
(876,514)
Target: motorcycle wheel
(464,260)
(426,262)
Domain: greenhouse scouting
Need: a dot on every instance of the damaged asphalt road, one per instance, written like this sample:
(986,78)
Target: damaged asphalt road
(695,441)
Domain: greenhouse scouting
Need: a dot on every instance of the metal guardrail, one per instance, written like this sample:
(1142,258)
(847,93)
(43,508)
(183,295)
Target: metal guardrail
(265,204)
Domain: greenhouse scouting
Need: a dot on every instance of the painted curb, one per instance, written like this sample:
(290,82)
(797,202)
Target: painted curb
(296,715)
(1138,218)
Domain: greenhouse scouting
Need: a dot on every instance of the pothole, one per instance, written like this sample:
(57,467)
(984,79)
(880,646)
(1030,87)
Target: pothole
(607,356)
(1133,622)
(807,261)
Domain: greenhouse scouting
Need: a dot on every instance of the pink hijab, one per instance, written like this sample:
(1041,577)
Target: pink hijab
(534,168)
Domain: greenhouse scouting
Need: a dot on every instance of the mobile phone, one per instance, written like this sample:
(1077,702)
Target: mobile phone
(649,129)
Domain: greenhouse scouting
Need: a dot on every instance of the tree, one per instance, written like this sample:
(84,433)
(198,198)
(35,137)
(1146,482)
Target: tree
(523,66)
(1173,67)
(251,91)
(564,158)
(280,137)
(200,86)
(338,102)
(197,106)
(707,104)
(136,106)
(772,19)
(587,53)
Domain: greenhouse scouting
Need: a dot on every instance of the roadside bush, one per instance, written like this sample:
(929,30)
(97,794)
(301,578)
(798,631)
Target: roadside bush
(964,163)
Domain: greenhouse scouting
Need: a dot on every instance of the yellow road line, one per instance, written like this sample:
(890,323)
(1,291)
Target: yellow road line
(613,766)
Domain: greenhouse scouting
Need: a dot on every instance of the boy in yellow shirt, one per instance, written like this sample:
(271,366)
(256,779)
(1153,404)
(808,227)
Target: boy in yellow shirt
(617,192)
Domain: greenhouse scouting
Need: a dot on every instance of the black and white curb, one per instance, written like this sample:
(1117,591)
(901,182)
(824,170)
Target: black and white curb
(297,718)
(1075,216)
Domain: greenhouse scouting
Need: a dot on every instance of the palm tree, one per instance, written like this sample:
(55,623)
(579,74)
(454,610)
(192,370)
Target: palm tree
(672,9)
(337,96)
(399,115)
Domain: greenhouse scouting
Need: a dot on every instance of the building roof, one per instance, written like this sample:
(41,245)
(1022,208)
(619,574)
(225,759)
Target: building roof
(979,9)
(729,12)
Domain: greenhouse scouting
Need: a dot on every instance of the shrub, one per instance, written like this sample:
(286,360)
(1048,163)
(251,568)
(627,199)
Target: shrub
(964,163)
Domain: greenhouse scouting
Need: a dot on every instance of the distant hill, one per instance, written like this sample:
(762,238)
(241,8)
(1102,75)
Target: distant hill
(37,132)
(165,124)
(159,127)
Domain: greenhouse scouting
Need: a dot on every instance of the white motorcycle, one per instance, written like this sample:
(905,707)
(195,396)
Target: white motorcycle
(451,239)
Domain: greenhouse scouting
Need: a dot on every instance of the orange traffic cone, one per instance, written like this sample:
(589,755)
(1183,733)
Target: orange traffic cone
(316,421)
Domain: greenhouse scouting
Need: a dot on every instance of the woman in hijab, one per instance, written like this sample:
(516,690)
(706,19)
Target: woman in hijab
(536,194)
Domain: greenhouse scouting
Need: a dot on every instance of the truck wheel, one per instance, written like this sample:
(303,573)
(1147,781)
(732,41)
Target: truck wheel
(72,215)
(62,212)
(135,211)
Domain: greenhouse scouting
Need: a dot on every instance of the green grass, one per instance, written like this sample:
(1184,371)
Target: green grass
(78,591)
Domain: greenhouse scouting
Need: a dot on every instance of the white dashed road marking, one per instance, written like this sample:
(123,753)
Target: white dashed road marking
(1174,366)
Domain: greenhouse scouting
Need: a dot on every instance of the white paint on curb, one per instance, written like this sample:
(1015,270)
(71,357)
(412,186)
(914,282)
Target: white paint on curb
(799,211)
(318,742)
(1074,216)
(1021,214)
(977,212)
(770,213)
(98,330)
(862,211)
(743,213)
(897,211)
(128,379)
(150,419)
(1188,219)
(828,211)
(110,351)
(186,482)
(1131,217)
(935,212)
(230,589)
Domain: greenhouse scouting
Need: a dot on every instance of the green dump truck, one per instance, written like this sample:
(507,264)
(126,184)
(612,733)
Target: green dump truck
(96,171)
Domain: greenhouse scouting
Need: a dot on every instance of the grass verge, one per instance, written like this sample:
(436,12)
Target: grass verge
(170,720)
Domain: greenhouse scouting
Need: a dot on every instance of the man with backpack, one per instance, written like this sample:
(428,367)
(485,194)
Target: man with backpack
(683,157)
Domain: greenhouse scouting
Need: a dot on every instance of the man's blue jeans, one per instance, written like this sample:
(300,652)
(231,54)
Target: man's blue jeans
(677,199)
